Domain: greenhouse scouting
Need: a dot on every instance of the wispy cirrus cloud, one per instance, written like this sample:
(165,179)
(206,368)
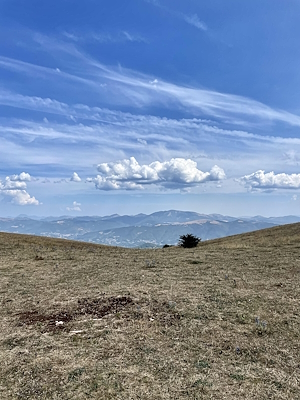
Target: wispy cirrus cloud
(192,19)
(117,119)
(124,86)
(140,88)
(195,21)
(128,87)
(39,71)
(104,37)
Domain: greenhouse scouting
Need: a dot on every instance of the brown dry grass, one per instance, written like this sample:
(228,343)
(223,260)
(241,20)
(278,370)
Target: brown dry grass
(217,322)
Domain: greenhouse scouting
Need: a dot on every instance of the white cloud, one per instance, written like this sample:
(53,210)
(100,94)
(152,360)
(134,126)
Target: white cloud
(177,173)
(76,207)
(15,188)
(20,197)
(195,21)
(104,37)
(22,177)
(38,71)
(266,181)
(75,177)
(166,138)
(131,87)
(142,141)
(118,119)
(71,36)
(190,19)
(133,38)
(294,197)
(72,118)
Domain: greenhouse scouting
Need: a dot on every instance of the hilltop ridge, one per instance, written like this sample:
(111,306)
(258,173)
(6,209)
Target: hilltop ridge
(140,230)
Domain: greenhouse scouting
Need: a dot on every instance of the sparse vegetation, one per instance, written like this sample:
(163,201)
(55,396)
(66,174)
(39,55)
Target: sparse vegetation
(84,321)
(188,241)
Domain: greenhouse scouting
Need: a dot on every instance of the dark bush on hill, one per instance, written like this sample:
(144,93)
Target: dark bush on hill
(188,241)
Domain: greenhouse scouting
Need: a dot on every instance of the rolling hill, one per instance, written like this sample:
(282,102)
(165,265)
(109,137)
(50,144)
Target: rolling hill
(86,321)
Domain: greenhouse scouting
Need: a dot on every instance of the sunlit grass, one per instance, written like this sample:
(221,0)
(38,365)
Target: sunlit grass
(218,321)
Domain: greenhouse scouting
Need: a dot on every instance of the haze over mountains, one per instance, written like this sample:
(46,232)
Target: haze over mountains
(140,230)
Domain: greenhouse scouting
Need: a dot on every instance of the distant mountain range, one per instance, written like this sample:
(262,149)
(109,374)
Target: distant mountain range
(141,230)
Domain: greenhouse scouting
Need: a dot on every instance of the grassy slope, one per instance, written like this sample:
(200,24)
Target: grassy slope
(183,327)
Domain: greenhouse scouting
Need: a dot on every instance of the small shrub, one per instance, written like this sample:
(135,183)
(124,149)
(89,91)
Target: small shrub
(188,241)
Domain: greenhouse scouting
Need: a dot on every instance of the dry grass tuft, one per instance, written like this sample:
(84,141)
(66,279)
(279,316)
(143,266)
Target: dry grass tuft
(81,321)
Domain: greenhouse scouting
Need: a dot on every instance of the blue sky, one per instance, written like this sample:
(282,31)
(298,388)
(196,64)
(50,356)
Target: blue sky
(146,105)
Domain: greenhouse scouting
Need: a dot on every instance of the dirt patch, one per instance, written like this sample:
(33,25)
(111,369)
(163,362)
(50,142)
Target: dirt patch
(58,321)
(103,306)
(162,312)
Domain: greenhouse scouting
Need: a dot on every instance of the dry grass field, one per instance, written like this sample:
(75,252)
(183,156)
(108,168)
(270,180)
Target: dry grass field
(83,321)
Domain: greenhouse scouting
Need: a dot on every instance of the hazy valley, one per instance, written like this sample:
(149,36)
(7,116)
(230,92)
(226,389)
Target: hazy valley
(140,230)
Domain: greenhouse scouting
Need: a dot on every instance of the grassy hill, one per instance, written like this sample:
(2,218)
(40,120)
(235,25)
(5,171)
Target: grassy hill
(84,321)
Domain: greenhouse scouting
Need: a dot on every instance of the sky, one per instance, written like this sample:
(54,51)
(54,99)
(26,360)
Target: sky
(138,106)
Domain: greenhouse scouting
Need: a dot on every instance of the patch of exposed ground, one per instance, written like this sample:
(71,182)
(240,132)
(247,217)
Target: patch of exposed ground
(96,307)
(120,306)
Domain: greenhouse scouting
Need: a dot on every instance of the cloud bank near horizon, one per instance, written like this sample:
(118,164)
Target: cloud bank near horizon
(260,180)
(177,173)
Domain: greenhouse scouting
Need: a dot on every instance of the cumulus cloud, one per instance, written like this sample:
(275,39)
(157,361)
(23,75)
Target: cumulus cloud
(177,173)
(76,207)
(22,177)
(268,181)
(15,188)
(75,177)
